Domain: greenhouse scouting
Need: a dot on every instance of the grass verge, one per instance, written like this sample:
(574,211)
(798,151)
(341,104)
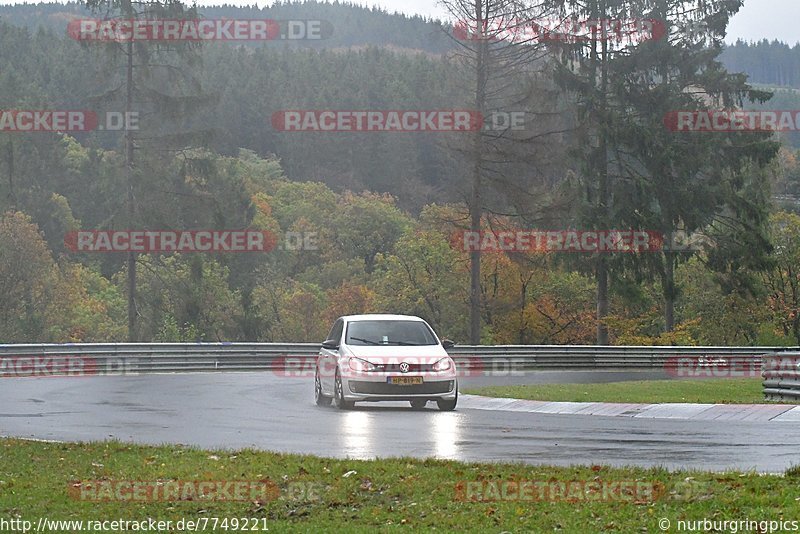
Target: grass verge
(710,391)
(326,495)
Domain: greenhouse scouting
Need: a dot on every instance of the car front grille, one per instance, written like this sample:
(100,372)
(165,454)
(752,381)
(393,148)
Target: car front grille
(382,388)
(412,368)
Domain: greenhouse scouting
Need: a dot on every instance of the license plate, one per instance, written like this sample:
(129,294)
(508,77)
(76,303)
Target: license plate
(404,380)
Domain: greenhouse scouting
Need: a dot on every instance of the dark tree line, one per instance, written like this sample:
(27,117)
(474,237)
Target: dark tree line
(766,62)
(350,24)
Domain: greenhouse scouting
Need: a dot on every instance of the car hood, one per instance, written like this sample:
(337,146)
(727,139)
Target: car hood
(377,355)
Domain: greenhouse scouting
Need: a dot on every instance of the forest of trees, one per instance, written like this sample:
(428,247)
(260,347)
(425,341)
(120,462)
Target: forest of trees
(353,25)
(766,62)
(383,209)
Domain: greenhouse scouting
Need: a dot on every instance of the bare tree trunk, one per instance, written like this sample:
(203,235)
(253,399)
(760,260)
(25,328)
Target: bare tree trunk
(669,291)
(604,199)
(496,57)
(523,302)
(602,301)
(475,261)
(12,196)
(475,208)
(129,144)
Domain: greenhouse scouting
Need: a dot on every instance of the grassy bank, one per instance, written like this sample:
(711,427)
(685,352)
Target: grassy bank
(711,391)
(316,494)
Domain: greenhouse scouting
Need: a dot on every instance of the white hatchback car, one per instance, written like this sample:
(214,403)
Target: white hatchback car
(385,358)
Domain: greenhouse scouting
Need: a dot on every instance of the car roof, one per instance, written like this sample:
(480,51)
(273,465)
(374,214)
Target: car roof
(381,317)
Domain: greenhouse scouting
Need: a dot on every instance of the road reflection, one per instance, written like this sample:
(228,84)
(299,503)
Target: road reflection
(441,431)
(357,433)
(446,433)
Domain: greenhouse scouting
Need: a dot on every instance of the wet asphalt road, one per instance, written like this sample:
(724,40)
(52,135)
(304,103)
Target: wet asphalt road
(265,411)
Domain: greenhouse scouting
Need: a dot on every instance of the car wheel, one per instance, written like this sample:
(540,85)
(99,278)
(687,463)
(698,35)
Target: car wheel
(419,404)
(321,400)
(338,394)
(448,405)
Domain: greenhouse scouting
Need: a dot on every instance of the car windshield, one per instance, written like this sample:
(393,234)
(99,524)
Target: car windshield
(389,333)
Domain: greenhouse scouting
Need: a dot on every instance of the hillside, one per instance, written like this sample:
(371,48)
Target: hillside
(352,25)
(377,212)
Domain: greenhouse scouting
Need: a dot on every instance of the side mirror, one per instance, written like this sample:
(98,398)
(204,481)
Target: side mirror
(447,344)
(330,345)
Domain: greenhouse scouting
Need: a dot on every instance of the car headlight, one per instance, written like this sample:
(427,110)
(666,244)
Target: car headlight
(358,365)
(443,365)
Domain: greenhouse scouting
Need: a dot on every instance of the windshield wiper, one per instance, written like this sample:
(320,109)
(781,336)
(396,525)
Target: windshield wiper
(404,343)
(364,340)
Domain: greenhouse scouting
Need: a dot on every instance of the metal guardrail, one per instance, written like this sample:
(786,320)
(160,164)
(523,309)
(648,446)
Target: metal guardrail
(558,357)
(142,358)
(781,374)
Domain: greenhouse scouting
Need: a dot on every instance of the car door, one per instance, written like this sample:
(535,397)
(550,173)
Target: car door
(328,357)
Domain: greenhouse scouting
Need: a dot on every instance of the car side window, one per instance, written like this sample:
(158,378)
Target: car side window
(336,331)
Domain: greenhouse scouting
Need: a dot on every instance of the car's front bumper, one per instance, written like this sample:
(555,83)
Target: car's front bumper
(377,388)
